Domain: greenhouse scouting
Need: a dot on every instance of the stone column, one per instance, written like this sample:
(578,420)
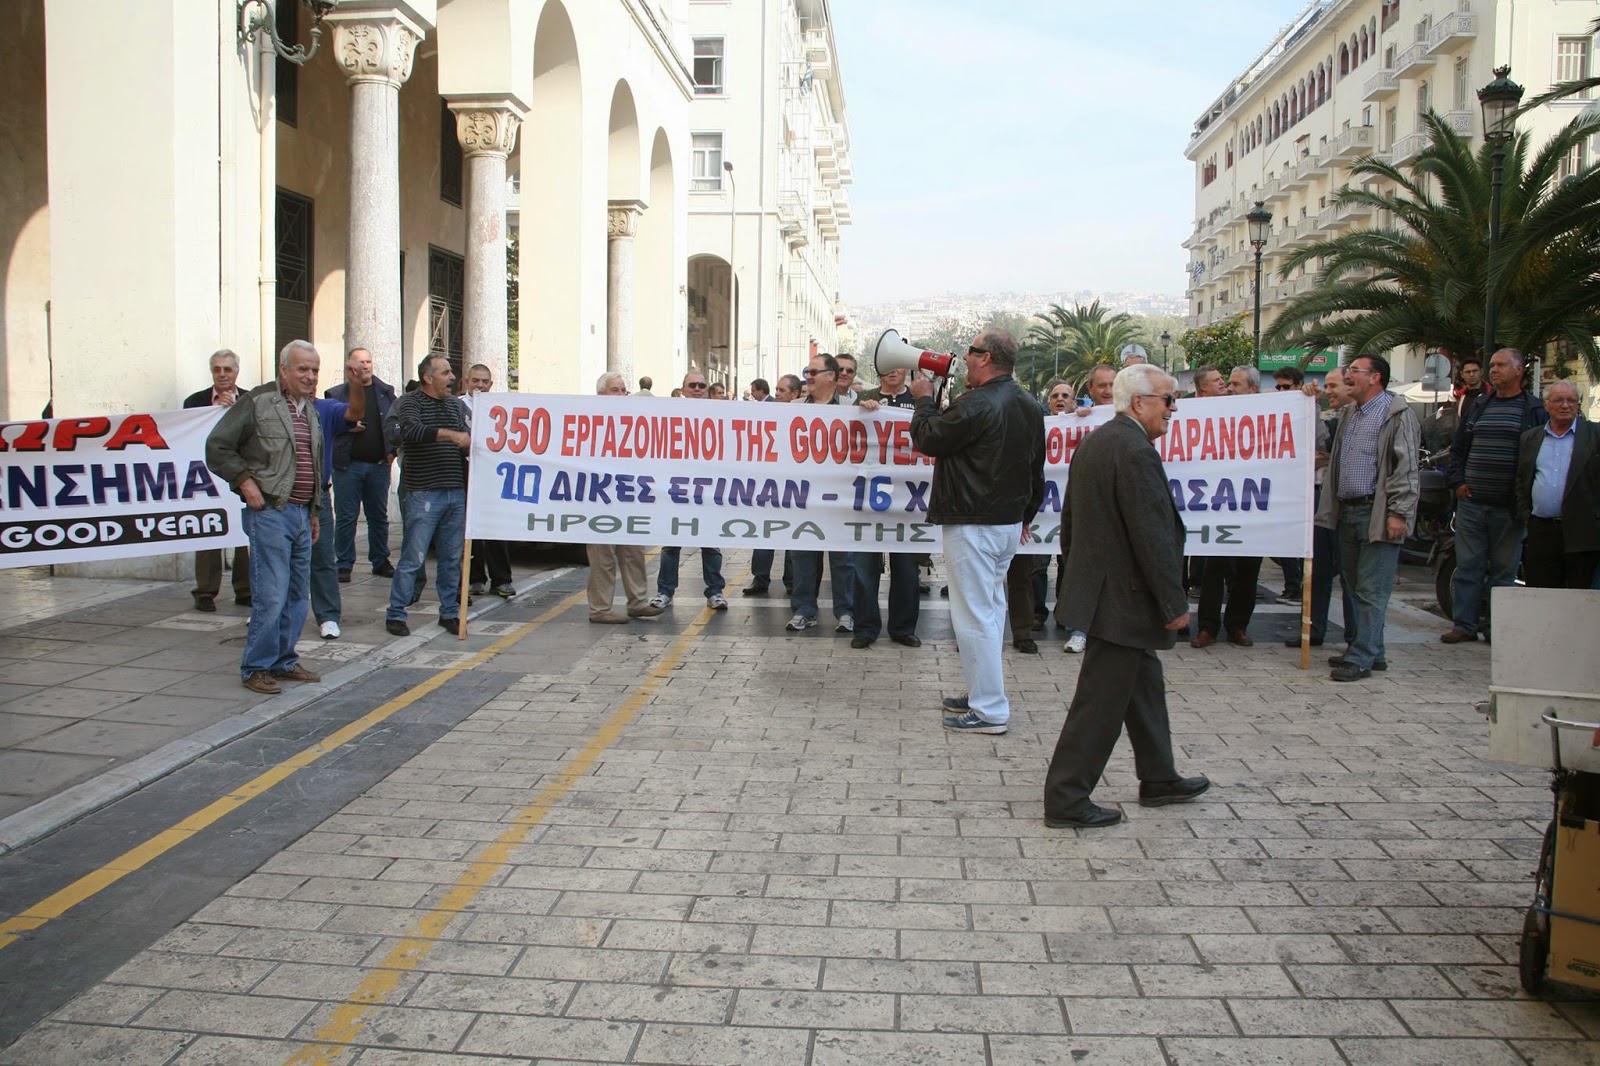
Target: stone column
(376,49)
(622,226)
(487,129)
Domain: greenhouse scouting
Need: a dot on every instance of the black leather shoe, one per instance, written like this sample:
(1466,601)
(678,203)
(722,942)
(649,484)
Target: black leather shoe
(344,577)
(1294,642)
(1161,793)
(1090,817)
(243,601)
(384,569)
(754,588)
(1338,660)
(205,603)
(859,641)
(451,626)
(1026,645)
(909,640)
(397,628)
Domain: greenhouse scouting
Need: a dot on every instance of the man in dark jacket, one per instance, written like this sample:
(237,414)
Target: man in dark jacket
(1558,495)
(988,484)
(1125,570)
(223,392)
(361,464)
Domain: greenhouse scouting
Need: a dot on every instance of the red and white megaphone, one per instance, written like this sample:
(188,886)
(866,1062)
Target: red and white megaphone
(893,353)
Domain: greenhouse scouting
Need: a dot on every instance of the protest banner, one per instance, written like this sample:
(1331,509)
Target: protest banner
(761,475)
(112,487)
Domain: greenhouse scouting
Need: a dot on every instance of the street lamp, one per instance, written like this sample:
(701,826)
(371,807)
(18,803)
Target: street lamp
(1499,100)
(733,282)
(1260,220)
(1164,340)
(257,18)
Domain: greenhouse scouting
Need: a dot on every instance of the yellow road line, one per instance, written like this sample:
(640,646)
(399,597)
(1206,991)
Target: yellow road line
(135,858)
(347,1020)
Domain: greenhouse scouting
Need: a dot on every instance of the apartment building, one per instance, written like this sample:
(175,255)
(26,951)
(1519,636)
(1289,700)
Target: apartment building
(768,188)
(1343,80)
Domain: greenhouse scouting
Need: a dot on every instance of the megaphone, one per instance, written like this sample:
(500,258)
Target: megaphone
(893,353)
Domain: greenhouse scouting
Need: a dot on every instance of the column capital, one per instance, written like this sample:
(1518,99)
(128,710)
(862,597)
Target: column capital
(376,45)
(487,125)
(622,217)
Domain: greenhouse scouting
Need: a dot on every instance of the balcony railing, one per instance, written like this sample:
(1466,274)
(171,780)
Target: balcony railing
(1382,84)
(1274,191)
(1460,121)
(1452,31)
(1413,61)
(1353,143)
(1409,147)
(818,55)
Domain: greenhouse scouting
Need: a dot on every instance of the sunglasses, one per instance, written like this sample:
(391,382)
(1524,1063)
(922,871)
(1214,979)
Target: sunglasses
(1165,397)
(695,385)
(974,350)
(1285,388)
(814,373)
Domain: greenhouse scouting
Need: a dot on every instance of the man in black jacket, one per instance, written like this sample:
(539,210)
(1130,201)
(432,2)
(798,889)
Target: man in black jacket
(988,484)
(1125,569)
(362,460)
(223,392)
(1558,494)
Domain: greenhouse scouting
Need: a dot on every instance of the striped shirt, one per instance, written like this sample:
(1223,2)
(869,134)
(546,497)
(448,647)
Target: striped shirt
(305,471)
(428,463)
(1358,447)
(1491,468)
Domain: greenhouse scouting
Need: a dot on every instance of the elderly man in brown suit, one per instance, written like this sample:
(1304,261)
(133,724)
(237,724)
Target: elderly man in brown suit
(1125,568)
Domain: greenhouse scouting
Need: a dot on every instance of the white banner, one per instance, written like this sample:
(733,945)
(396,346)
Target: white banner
(597,470)
(75,490)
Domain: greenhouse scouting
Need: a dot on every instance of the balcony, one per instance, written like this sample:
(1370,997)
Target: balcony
(1352,144)
(841,207)
(1453,31)
(818,55)
(1460,121)
(1301,174)
(1380,86)
(847,169)
(1409,147)
(1414,61)
(1274,192)
(1353,212)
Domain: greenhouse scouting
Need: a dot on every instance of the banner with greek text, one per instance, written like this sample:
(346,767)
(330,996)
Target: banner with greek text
(594,470)
(76,490)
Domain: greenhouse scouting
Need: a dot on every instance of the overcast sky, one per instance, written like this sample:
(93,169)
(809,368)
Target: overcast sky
(1030,145)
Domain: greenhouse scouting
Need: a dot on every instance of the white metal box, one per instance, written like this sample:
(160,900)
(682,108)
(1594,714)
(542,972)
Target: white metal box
(1545,657)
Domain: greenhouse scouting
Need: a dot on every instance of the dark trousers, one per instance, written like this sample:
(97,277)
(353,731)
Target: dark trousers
(1117,686)
(761,568)
(208,574)
(904,604)
(493,556)
(1547,564)
(1019,595)
(1238,577)
(1324,568)
(1294,574)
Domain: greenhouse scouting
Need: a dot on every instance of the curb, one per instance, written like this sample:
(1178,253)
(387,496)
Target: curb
(45,817)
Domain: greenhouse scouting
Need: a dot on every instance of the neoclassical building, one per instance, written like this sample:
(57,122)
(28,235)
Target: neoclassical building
(168,187)
(769,102)
(1343,80)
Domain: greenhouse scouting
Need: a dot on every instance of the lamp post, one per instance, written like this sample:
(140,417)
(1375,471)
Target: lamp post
(733,282)
(257,18)
(1165,340)
(1260,221)
(1499,100)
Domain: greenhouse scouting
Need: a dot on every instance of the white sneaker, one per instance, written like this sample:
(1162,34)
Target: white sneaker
(330,631)
(1075,644)
(801,621)
(847,624)
(717,602)
(661,599)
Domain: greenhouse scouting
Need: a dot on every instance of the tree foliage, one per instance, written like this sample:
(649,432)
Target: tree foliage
(1223,344)
(1070,342)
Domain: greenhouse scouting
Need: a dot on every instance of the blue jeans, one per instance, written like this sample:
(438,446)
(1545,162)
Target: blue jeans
(280,579)
(326,605)
(808,582)
(1368,570)
(977,558)
(437,516)
(761,568)
(905,605)
(1488,551)
(361,487)
(710,569)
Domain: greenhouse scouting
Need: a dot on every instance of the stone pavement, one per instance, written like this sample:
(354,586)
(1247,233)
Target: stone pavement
(708,841)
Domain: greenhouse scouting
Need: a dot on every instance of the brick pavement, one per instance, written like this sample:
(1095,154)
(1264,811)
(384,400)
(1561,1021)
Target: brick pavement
(783,858)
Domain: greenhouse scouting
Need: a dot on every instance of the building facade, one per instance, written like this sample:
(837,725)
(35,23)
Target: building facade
(769,100)
(1344,80)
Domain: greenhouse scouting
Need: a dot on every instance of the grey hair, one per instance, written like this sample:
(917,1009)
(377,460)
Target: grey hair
(292,347)
(225,353)
(609,375)
(1515,353)
(1565,384)
(1002,348)
(1251,373)
(1138,379)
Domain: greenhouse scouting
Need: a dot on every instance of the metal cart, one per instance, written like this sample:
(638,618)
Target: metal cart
(1534,957)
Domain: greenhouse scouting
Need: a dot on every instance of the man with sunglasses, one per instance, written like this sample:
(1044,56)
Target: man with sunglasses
(988,484)
(694,388)
(822,383)
(1126,573)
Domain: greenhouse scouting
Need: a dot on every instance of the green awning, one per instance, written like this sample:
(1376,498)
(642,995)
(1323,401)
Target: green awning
(1320,363)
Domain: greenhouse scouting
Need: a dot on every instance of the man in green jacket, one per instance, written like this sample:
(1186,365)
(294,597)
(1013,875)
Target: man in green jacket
(268,448)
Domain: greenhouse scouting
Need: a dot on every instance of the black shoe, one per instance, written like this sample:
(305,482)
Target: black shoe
(344,577)
(754,588)
(1294,642)
(1338,660)
(923,588)
(1289,596)
(397,628)
(1349,672)
(955,703)
(1161,793)
(451,626)
(859,641)
(205,603)
(242,601)
(1026,645)
(384,569)
(1090,817)
(944,590)
(909,640)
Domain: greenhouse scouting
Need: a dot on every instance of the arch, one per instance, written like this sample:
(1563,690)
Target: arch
(552,257)
(1322,85)
(1365,44)
(624,176)
(658,344)
(1344,60)
(707,342)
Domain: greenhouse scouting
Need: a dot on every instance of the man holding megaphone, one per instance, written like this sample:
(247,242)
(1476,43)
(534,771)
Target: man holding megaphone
(988,483)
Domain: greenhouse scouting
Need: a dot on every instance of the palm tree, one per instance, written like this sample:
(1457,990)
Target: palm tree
(1071,343)
(1421,279)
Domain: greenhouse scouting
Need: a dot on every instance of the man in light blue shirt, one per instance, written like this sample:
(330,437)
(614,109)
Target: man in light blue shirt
(1558,495)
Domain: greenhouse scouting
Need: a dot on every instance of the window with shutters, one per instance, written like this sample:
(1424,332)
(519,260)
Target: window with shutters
(708,66)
